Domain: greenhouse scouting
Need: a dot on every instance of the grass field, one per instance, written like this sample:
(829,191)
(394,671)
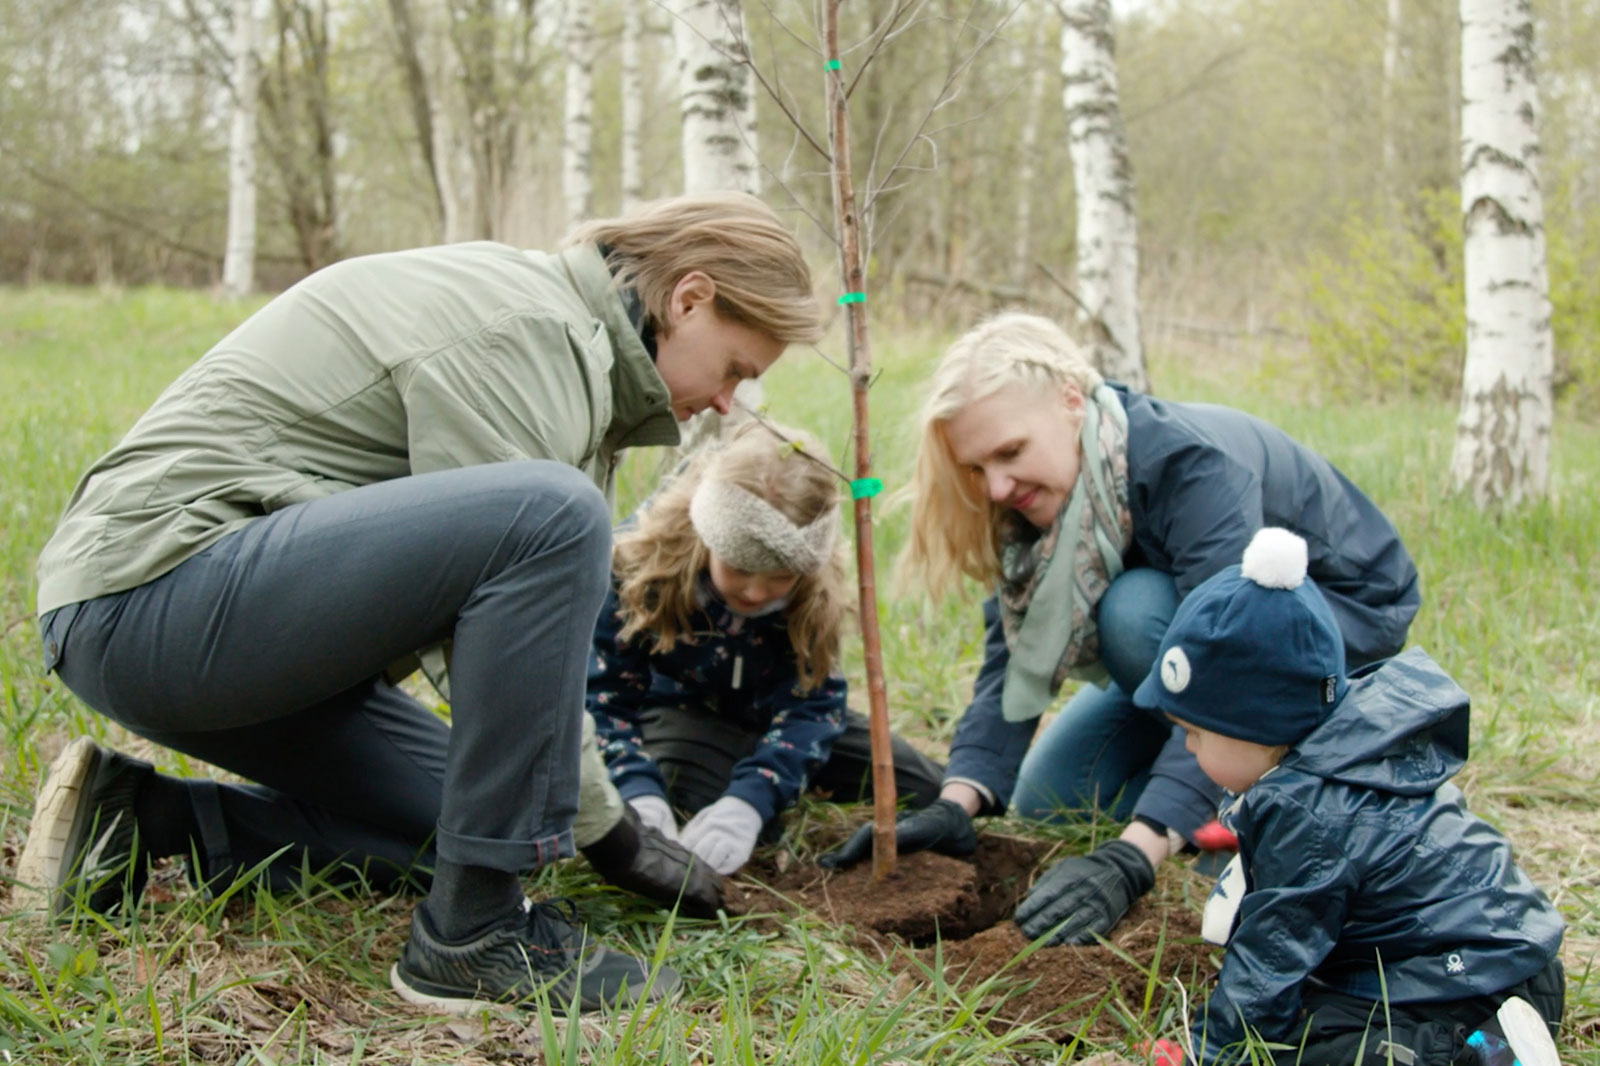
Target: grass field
(1512,609)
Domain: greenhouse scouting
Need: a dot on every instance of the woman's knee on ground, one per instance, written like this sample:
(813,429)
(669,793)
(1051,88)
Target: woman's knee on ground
(1133,616)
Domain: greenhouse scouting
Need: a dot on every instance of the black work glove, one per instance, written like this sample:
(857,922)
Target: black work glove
(1093,890)
(635,857)
(943,826)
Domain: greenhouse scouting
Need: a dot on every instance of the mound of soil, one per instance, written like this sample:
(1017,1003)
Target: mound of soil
(966,906)
(928,897)
(1057,988)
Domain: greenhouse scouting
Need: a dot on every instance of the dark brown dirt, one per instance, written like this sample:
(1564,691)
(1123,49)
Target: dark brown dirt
(928,896)
(966,905)
(1058,988)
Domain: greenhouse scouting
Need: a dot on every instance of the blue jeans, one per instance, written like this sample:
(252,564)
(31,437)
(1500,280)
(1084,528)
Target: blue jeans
(265,655)
(1101,753)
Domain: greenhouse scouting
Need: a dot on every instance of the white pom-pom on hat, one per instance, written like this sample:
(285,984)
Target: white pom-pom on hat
(1275,558)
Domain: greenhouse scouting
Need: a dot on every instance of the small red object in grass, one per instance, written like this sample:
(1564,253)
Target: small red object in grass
(1212,837)
(1164,1053)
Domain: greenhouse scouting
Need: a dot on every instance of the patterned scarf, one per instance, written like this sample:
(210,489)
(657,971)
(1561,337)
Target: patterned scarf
(1049,587)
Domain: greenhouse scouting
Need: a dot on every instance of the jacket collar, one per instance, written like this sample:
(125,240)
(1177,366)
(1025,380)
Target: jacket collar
(641,409)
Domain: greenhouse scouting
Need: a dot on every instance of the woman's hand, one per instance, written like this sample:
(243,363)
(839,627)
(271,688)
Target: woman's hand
(1088,893)
(943,826)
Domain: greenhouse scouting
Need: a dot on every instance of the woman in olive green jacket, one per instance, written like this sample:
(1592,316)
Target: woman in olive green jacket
(402,450)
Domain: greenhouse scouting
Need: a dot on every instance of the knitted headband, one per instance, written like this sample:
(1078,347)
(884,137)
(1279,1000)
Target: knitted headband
(750,534)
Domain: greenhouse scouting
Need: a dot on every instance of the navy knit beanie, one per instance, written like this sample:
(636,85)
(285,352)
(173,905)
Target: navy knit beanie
(1253,652)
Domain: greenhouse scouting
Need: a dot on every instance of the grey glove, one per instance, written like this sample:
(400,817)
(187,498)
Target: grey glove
(1089,892)
(943,826)
(639,859)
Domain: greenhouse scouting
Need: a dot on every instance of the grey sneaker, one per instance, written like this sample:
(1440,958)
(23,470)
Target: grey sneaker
(83,842)
(541,949)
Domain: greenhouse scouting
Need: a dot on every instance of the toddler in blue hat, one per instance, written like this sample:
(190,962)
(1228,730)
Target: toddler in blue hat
(1369,917)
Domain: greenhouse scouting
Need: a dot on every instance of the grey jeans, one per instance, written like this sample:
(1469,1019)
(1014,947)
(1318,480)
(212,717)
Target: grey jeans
(265,655)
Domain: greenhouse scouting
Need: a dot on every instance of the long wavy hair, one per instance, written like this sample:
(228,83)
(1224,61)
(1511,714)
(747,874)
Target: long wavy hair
(659,561)
(955,527)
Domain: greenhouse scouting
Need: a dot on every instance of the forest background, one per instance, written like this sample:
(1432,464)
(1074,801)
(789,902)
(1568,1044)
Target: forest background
(1296,164)
(1300,233)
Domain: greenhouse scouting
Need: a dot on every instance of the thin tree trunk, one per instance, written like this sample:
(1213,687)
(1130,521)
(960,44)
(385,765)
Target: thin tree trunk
(1028,145)
(239,261)
(577,184)
(632,103)
(1502,447)
(848,226)
(420,99)
(1108,230)
(1391,69)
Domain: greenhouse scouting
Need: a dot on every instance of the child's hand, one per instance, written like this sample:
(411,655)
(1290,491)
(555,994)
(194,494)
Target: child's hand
(1089,892)
(724,834)
(943,826)
(655,812)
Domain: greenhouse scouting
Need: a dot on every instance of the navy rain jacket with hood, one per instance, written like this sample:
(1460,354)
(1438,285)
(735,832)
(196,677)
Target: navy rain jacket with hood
(1365,872)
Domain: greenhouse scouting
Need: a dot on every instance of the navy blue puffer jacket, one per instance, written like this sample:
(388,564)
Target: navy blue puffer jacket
(1365,871)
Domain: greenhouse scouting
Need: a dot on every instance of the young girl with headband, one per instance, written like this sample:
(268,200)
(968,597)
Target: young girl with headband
(715,683)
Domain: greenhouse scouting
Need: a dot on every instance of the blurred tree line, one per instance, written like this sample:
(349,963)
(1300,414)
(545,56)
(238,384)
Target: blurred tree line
(1297,164)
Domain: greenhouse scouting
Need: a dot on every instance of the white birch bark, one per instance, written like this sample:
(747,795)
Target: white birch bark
(239,259)
(1502,447)
(718,108)
(632,103)
(577,145)
(1391,69)
(714,85)
(1028,144)
(1108,231)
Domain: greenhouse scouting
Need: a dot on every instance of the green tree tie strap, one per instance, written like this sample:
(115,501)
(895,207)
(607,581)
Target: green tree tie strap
(865,488)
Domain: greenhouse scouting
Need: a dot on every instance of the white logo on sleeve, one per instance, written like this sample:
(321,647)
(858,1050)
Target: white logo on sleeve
(1175,669)
(1453,964)
(1216,922)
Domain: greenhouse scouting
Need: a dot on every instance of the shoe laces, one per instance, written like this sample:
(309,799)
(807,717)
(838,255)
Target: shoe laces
(556,922)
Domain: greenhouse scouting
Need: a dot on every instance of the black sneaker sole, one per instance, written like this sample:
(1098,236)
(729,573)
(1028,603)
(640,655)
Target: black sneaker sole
(60,818)
(453,1001)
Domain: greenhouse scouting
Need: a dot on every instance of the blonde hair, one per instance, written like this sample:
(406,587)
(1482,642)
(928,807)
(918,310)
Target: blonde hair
(954,524)
(761,277)
(658,563)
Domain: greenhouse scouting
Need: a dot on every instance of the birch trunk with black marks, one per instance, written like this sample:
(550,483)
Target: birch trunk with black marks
(719,134)
(577,143)
(715,87)
(1502,447)
(1108,231)
(632,103)
(239,260)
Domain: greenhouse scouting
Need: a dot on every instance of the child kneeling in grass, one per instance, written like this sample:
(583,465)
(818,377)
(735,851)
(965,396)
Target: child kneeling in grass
(1369,917)
(714,681)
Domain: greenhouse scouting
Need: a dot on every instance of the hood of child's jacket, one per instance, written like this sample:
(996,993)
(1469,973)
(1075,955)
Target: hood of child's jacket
(1401,728)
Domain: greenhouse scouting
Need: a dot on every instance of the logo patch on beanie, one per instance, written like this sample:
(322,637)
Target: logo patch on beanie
(1330,690)
(1175,670)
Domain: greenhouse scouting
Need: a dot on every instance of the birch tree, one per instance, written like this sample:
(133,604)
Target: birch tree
(239,260)
(714,84)
(632,102)
(1027,59)
(1502,445)
(577,142)
(1108,231)
(718,113)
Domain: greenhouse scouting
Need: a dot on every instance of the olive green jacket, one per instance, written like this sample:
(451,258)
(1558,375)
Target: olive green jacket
(374,368)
